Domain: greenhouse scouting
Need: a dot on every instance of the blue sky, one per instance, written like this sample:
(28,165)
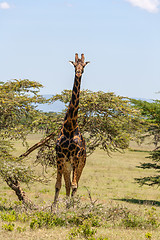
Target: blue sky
(120,38)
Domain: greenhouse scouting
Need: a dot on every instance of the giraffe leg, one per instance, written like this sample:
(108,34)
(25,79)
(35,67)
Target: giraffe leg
(74,178)
(74,182)
(81,165)
(67,183)
(59,180)
(67,179)
(77,174)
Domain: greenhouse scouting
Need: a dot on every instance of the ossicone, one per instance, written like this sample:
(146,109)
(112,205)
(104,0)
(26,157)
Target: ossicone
(79,60)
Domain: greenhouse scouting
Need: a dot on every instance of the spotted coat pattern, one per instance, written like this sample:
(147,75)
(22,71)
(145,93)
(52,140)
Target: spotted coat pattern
(70,147)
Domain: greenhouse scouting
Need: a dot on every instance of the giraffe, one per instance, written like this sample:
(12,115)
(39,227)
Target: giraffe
(70,146)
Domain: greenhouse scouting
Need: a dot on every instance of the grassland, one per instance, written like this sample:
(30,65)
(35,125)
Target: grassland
(118,208)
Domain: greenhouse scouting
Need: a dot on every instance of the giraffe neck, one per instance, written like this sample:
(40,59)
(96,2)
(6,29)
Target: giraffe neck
(70,121)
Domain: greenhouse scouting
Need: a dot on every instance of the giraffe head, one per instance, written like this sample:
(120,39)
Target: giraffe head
(79,65)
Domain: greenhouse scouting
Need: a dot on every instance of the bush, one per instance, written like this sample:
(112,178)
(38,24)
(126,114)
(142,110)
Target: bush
(8,227)
(85,230)
(46,219)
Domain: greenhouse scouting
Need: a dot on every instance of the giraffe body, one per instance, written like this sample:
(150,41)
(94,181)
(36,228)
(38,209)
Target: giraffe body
(70,147)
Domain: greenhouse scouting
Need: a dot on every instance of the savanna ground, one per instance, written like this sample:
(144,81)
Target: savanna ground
(109,205)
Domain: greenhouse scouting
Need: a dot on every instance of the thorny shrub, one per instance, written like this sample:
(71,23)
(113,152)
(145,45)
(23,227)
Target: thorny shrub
(84,218)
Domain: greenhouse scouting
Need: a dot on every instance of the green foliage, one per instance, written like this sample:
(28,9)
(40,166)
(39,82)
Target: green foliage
(107,121)
(115,119)
(44,190)
(10,168)
(13,216)
(17,102)
(18,99)
(46,219)
(85,230)
(22,217)
(9,216)
(83,221)
(148,235)
(21,229)
(149,220)
(132,221)
(151,113)
(152,218)
(8,227)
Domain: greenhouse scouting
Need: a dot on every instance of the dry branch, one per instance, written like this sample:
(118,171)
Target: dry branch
(37,145)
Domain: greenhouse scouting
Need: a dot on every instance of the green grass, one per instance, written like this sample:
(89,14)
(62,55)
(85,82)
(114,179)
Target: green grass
(122,209)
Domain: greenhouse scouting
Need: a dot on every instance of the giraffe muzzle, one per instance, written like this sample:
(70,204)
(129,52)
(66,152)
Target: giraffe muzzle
(78,73)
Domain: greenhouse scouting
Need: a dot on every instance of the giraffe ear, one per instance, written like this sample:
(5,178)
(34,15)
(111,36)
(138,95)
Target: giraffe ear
(72,63)
(86,63)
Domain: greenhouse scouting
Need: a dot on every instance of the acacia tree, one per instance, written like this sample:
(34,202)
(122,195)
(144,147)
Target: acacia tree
(107,121)
(151,113)
(18,112)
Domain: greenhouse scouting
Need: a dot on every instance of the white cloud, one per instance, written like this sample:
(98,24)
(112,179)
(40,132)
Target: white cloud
(148,5)
(68,4)
(4,5)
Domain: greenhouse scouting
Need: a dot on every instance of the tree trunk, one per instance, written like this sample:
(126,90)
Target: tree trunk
(14,184)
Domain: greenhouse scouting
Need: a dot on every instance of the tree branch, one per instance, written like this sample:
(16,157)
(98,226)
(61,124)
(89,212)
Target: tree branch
(37,145)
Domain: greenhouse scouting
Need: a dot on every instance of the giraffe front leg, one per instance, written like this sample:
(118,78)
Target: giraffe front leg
(74,182)
(81,165)
(58,181)
(77,173)
(74,178)
(67,179)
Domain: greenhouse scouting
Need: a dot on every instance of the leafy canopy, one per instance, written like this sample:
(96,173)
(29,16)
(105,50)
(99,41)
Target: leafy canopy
(18,99)
(107,121)
(151,113)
